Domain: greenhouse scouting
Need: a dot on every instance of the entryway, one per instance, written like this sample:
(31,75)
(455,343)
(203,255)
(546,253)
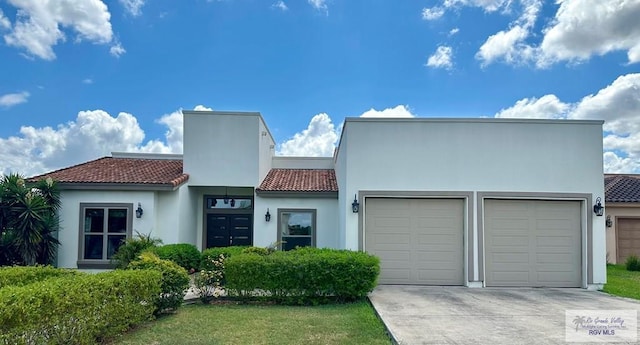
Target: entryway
(228,220)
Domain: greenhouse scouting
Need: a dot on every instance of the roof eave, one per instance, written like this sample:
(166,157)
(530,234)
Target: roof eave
(296,194)
(119,186)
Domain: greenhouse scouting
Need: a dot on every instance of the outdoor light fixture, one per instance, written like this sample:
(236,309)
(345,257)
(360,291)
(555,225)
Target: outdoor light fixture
(139,211)
(267,216)
(226,197)
(598,209)
(233,202)
(608,222)
(355,206)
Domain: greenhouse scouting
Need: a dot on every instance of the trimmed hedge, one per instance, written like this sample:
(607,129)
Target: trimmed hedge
(23,275)
(78,309)
(174,283)
(215,252)
(304,276)
(185,255)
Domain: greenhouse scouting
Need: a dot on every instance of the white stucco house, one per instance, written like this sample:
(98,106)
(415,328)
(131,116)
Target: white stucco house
(472,202)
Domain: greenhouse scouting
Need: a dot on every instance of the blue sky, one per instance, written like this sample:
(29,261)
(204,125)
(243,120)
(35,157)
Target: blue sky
(82,78)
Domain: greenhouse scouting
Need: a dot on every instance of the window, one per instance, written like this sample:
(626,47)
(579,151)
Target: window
(103,229)
(297,228)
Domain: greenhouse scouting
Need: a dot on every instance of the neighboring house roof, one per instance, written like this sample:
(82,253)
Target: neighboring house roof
(622,188)
(285,181)
(120,173)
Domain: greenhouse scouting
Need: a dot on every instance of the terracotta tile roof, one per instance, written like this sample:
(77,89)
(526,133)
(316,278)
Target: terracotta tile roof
(299,180)
(622,188)
(124,171)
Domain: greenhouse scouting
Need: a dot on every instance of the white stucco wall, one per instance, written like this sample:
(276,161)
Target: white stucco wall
(266,233)
(221,148)
(489,155)
(266,149)
(70,217)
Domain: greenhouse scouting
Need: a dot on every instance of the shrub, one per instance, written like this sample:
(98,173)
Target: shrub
(258,250)
(132,248)
(23,275)
(306,276)
(207,283)
(632,263)
(185,255)
(77,309)
(215,252)
(175,280)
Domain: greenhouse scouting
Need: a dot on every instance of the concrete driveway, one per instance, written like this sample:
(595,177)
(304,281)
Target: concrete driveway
(460,315)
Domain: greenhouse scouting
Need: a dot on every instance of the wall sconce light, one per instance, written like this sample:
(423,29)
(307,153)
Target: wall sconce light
(598,209)
(233,202)
(609,222)
(139,211)
(267,216)
(355,206)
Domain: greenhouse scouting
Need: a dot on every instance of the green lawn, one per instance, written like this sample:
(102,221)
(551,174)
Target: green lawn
(621,282)
(251,324)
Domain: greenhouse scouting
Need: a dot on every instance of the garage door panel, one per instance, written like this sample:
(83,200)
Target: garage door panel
(546,250)
(628,238)
(431,249)
(628,233)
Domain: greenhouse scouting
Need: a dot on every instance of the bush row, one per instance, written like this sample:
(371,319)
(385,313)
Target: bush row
(174,282)
(23,275)
(302,276)
(78,309)
(185,255)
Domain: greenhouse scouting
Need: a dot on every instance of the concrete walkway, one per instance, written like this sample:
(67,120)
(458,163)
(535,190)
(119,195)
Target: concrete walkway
(460,315)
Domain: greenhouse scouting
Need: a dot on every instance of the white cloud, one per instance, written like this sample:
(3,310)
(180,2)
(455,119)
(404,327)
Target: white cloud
(618,104)
(617,165)
(317,140)
(583,28)
(11,99)
(117,50)
(87,81)
(545,107)
(39,23)
(93,134)
(280,5)
(200,107)
(487,5)
(320,137)
(133,7)
(441,58)
(453,31)
(320,5)
(510,45)
(432,13)
(579,30)
(4,21)
(397,111)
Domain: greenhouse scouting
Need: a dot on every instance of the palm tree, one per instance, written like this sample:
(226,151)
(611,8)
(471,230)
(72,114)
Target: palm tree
(28,220)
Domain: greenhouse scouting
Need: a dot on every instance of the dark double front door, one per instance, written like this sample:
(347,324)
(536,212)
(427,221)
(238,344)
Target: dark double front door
(225,230)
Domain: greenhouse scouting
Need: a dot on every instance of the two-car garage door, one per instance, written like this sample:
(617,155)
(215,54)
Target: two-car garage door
(526,242)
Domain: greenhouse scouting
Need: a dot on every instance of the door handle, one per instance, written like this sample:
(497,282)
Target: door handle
(230,240)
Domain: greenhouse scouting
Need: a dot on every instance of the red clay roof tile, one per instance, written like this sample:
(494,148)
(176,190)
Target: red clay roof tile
(300,180)
(109,170)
